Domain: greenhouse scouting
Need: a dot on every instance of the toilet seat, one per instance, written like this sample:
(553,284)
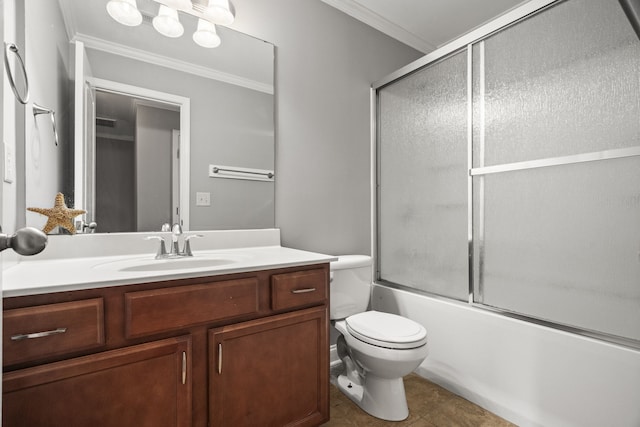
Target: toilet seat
(386,330)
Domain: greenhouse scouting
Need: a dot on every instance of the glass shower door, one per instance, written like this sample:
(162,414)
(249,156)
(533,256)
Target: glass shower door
(557,169)
(423,180)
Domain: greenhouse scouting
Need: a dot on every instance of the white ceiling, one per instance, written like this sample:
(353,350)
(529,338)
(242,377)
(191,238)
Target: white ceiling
(424,24)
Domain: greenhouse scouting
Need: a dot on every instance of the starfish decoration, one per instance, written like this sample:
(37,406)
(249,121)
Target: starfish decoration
(59,215)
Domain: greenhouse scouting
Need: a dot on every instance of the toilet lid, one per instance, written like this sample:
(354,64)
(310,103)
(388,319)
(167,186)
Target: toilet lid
(386,330)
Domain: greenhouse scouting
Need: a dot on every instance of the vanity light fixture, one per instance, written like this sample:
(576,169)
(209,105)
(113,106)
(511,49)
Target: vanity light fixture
(206,35)
(167,23)
(125,12)
(220,12)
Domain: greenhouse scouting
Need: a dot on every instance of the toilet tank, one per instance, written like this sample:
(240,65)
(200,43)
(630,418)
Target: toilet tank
(351,277)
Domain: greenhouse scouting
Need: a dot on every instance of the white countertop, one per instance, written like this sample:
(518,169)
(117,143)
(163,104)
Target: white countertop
(49,274)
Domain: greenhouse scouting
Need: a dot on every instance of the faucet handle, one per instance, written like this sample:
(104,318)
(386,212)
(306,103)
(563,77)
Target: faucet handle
(165,227)
(176,229)
(162,249)
(187,244)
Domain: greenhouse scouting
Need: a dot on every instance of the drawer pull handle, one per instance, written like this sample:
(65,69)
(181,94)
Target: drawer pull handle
(219,358)
(21,337)
(184,367)
(303,291)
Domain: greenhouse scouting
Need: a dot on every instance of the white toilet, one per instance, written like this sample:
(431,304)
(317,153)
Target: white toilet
(377,349)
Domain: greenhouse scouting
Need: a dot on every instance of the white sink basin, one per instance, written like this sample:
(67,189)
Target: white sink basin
(168,264)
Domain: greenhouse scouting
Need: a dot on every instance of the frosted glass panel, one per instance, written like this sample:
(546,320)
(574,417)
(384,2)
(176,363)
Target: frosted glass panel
(560,244)
(563,244)
(422,195)
(560,83)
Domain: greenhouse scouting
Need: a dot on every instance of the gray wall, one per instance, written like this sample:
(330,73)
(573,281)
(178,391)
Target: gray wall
(13,200)
(325,64)
(46,55)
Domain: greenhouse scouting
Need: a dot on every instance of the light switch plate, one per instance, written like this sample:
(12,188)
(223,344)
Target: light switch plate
(9,164)
(203,199)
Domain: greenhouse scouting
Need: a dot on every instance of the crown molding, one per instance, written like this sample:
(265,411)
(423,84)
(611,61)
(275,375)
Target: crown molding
(167,62)
(363,14)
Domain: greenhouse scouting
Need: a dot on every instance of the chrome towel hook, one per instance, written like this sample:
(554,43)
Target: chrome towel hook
(38,109)
(10,47)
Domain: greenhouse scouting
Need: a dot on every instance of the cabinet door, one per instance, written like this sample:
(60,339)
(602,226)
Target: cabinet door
(143,385)
(270,372)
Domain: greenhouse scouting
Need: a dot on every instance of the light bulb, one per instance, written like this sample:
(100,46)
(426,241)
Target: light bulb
(206,35)
(220,12)
(125,12)
(167,22)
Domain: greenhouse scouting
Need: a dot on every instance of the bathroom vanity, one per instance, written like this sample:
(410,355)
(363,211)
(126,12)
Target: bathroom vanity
(221,346)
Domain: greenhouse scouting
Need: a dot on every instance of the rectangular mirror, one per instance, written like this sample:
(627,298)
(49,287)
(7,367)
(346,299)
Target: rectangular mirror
(179,110)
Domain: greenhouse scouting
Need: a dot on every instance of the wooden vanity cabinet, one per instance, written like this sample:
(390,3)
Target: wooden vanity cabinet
(245,349)
(270,372)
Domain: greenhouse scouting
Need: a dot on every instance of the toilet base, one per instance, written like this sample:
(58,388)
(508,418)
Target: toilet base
(381,397)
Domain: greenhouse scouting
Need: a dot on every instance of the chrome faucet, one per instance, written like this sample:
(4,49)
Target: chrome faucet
(86,227)
(176,232)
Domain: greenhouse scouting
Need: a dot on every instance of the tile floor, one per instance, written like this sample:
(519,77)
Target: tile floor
(429,406)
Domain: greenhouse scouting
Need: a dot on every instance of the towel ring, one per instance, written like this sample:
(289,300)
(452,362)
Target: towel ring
(10,47)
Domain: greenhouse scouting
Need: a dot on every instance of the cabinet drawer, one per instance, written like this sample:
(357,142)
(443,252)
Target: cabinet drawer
(302,288)
(159,310)
(50,330)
